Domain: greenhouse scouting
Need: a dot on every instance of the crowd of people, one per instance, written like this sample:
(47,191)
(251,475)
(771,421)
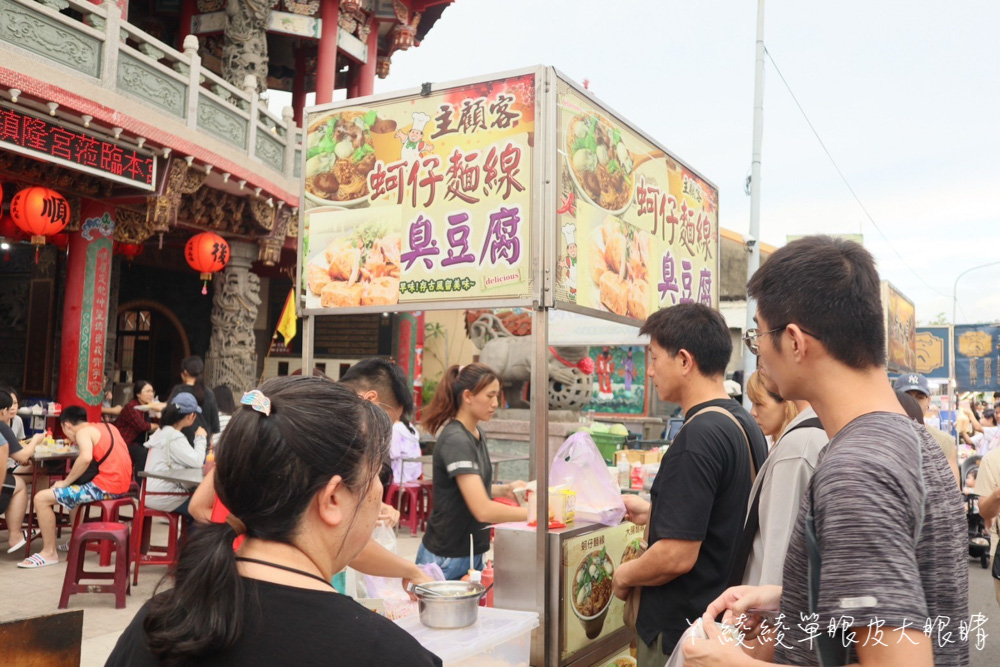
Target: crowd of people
(830,500)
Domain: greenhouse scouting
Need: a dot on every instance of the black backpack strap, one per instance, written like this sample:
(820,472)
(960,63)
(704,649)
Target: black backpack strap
(812,422)
(110,447)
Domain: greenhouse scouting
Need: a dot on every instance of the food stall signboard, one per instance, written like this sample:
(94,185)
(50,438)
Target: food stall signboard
(590,610)
(977,362)
(900,328)
(934,352)
(418,199)
(639,230)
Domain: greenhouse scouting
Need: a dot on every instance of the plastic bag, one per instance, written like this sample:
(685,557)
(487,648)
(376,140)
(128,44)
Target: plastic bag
(385,535)
(579,465)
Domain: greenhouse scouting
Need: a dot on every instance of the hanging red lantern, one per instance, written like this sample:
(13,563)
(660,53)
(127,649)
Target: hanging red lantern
(207,253)
(40,212)
(129,250)
(60,241)
(9,230)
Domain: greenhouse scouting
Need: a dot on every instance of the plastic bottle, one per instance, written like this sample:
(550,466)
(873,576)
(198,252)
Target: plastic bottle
(48,439)
(487,600)
(623,473)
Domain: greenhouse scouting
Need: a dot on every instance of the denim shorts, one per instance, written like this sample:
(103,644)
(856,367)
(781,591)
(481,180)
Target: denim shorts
(78,494)
(453,568)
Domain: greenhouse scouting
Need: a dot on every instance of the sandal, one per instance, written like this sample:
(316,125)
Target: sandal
(22,541)
(37,560)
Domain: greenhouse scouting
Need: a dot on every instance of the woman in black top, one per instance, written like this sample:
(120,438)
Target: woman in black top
(300,471)
(463,476)
(192,369)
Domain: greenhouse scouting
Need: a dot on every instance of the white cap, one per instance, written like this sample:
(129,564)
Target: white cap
(420,119)
(569,231)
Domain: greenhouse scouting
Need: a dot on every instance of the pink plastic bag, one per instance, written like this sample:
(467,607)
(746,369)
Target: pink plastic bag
(579,465)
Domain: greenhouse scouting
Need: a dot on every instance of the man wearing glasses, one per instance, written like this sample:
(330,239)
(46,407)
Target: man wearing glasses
(878,552)
(699,496)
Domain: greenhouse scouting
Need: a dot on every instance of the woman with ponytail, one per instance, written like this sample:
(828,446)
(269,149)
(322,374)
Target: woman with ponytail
(300,468)
(463,475)
(192,369)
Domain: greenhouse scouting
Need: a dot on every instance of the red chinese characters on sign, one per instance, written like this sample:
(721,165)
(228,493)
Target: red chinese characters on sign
(41,136)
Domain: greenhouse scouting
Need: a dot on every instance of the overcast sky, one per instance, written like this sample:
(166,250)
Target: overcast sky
(904,93)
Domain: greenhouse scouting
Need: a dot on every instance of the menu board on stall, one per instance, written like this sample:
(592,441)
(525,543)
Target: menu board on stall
(977,361)
(420,198)
(638,230)
(590,610)
(901,329)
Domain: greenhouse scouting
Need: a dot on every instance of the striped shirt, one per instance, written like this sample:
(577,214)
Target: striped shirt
(873,495)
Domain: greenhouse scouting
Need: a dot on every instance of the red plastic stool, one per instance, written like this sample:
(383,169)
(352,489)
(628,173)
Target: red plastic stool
(110,511)
(145,553)
(103,532)
(427,498)
(409,504)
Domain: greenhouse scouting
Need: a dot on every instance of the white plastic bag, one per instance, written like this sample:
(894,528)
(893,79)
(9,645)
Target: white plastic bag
(579,465)
(385,535)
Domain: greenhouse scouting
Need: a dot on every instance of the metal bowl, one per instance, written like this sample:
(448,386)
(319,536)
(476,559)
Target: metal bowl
(449,604)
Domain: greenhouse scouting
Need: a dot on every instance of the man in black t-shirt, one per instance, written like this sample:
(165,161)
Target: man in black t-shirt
(699,496)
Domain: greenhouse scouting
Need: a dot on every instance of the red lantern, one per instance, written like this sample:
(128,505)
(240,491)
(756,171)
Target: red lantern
(60,241)
(9,230)
(129,250)
(207,253)
(40,212)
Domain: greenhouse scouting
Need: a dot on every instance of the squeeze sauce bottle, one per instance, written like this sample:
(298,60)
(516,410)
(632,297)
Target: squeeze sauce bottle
(487,600)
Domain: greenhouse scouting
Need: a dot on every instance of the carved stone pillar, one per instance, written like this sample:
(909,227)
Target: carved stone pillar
(244,50)
(232,353)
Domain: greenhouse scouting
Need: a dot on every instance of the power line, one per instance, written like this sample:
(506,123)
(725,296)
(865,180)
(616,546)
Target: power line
(844,178)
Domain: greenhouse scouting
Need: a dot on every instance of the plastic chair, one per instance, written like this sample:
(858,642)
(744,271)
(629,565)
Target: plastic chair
(427,498)
(145,553)
(407,498)
(102,532)
(109,512)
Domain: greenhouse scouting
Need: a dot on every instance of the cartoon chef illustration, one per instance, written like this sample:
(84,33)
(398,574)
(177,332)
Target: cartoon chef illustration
(569,261)
(414,147)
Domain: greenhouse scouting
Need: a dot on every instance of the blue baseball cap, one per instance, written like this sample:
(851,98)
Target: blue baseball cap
(913,382)
(186,403)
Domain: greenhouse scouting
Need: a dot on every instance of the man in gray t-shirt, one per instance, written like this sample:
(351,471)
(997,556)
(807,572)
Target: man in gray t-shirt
(882,508)
(891,529)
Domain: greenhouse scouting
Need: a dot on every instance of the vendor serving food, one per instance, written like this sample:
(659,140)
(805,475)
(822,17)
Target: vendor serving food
(463,476)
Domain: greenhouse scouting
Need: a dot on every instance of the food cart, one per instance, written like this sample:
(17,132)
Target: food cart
(516,190)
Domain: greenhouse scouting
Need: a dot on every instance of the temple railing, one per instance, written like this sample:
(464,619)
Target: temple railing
(94,42)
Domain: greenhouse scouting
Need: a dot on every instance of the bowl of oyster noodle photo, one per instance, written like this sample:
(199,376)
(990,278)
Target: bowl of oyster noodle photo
(619,266)
(356,267)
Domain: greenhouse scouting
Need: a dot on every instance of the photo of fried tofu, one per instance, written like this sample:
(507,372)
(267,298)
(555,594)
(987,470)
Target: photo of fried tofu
(338,294)
(317,278)
(619,266)
(638,300)
(362,269)
(381,292)
(614,293)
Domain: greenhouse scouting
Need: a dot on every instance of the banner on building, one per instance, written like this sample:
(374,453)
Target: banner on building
(977,364)
(900,330)
(933,346)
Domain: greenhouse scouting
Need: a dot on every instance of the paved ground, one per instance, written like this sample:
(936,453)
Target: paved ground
(27,593)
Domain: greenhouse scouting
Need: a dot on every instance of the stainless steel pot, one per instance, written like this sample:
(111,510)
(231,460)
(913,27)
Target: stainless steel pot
(449,604)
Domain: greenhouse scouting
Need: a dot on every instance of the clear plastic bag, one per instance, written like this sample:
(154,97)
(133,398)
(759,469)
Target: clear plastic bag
(579,465)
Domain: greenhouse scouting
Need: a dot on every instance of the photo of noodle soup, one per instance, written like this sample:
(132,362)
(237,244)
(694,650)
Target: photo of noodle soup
(600,163)
(592,593)
(340,152)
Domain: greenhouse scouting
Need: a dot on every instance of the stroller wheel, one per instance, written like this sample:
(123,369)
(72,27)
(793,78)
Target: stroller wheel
(984,560)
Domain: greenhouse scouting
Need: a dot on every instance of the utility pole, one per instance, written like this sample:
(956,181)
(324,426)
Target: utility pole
(753,242)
